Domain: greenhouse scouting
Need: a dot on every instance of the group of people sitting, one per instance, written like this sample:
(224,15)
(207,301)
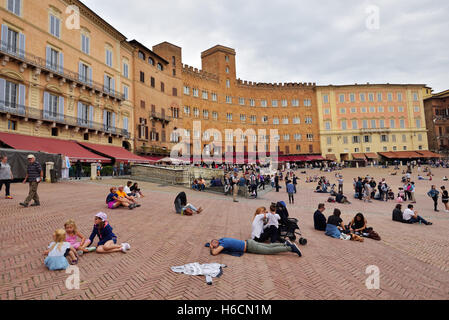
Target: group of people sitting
(124,196)
(265,228)
(199,184)
(334,227)
(69,243)
(409,215)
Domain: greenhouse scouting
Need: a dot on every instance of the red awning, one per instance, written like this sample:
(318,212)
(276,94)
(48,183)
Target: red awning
(118,153)
(358,156)
(371,155)
(314,158)
(153,158)
(429,154)
(67,148)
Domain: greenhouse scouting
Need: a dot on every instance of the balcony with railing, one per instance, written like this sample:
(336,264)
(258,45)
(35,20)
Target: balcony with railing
(374,130)
(160,117)
(26,59)
(441,119)
(52,116)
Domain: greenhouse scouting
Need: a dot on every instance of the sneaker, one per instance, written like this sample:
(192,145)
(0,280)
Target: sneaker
(91,249)
(35,204)
(24,205)
(131,206)
(294,247)
(429,223)
(126,246)
(80,253)
(123,248)
(137,205)
(8,197)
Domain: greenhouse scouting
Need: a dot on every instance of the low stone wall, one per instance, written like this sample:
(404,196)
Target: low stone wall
(160,174)
(173,175)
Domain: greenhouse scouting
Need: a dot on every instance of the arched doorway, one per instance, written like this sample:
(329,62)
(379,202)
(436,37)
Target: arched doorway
(126,145)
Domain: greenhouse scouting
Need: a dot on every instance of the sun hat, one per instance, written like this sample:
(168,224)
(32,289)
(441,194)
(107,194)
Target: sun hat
(102,216)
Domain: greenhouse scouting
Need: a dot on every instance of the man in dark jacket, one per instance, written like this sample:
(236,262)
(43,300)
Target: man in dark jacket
(33,177)
(319,220)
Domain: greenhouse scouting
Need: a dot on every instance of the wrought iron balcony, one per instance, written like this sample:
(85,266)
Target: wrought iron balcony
(28,59)
(160,117)
(57,118)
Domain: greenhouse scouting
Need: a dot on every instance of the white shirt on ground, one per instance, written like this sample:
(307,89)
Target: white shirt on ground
(127,190)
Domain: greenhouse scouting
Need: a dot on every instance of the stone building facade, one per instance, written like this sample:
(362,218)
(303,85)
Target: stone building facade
(371,118)
(437,119)
(64,79)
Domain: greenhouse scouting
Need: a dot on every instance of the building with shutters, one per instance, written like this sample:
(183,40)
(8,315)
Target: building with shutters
(216,98)
(157,94)
(63,80)
(359,121)
(437,118)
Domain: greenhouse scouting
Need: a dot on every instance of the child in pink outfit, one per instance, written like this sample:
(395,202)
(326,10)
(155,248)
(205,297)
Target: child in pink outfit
(72,235)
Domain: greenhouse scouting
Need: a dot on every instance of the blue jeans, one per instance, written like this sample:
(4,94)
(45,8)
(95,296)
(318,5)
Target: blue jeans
(413,220)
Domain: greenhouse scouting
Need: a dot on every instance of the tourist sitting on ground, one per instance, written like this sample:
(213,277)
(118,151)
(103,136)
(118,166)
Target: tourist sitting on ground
(340,198)
(195,185)
(184,208)
(319,220)
(114,201)
(445,178)
(390,194)
(420,177)
(358,224)
(107,239)
(122,194)
(136,190)
(216,182)
(230,245)
(394,173)
(72,235)
(201,184)
(411,216)
(335,225)
(262,228)
(127,189)
(397,213)
(57,252)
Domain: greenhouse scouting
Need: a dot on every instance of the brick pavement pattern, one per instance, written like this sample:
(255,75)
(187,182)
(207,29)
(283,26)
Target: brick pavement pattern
(413,259)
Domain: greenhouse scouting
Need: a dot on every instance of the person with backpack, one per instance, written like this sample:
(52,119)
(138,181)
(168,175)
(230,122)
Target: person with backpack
(434,194)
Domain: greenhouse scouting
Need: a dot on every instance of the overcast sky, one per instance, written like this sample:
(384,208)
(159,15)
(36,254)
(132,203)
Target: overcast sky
(322,41)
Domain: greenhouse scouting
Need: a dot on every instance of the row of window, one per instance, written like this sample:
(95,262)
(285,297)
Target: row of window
(159,65)
(385,149)
(153,84)
(243,117)
(390,109)
(363,97)
(207,135)
(12,96)
(252,102)
(369,139)
(371,124)
(14,42)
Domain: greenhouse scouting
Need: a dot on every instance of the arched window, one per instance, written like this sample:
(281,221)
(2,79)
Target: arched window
(151,61)
(141,55)
(160,67)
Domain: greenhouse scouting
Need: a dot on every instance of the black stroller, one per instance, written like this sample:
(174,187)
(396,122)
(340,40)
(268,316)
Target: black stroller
(288,226)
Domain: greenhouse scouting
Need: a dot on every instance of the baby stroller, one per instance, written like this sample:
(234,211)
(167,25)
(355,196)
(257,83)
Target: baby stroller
(288,226)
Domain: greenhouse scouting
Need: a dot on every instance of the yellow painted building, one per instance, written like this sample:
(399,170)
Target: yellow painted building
(371,118)
(64,74)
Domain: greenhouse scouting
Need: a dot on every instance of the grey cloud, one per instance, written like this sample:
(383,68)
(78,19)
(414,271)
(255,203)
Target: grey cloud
(323,41)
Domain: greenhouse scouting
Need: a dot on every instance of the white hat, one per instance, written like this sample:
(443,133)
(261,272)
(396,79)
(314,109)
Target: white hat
(102,216)
(30,156)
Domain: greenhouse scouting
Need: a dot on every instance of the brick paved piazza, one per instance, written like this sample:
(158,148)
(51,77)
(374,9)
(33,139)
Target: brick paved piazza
(413,259)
